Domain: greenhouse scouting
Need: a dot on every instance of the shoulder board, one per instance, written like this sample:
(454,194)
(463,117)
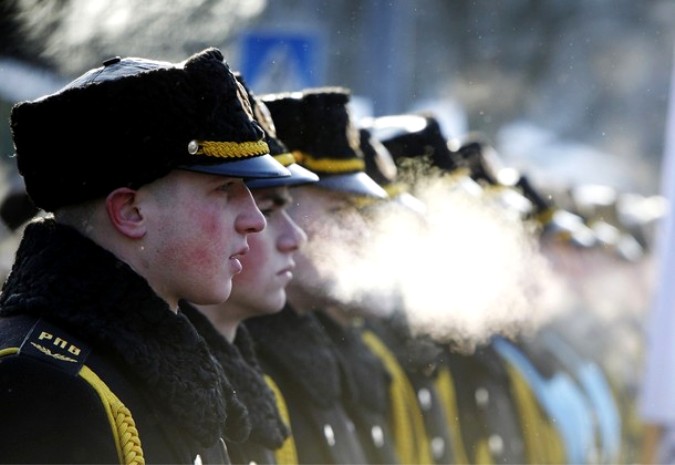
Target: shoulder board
(55,346)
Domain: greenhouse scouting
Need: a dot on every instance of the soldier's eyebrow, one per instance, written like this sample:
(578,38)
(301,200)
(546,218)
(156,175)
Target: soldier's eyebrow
(279,199)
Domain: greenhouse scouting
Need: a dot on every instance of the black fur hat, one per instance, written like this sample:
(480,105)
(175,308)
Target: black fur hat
(415,136)
(381,167)
(480,157)
(278,149)
(317,127)
(132,121)
(286,111)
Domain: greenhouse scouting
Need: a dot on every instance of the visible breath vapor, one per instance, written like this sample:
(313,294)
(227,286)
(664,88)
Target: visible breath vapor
(464,271)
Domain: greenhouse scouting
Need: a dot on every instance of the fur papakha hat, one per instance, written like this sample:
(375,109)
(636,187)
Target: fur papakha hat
(415,135)
(278,149)
(317,127)
(131,122)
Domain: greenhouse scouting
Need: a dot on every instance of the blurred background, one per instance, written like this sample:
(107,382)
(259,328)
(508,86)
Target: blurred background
(575,91)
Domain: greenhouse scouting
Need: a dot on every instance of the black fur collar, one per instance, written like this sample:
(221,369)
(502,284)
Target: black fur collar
(269,429)
(241,367)
(66,278)
(298,347)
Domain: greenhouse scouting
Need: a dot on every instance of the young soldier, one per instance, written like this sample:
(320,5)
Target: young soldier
(258,290)
(142,164)
(418,358)
(336,389)
(474,388)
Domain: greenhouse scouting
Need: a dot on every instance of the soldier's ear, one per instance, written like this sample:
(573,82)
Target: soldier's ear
(124,213)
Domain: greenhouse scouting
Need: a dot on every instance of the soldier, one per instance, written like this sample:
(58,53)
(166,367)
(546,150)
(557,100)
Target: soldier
(258,290)
(493,415)
(335,387)
(418,358)
(142,164)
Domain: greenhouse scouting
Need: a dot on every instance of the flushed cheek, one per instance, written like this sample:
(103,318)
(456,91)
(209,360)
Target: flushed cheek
(205,245)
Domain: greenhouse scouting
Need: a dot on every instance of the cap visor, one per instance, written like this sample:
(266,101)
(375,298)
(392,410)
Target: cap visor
(263,166)
(353,183)
(411,202)
(299,175)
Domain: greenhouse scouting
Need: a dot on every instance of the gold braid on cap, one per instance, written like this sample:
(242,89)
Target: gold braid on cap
(228,149)
(285,159)
(329,165)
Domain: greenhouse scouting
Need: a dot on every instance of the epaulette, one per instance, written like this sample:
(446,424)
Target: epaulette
(59,349)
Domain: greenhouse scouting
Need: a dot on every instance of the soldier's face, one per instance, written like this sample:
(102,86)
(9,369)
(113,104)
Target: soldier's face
(197,228)
(335,232)
(269,265)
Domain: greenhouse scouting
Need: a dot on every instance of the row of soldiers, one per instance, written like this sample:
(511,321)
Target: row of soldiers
(392,344)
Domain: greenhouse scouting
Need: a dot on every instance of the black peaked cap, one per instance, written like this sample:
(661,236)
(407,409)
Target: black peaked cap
(111,129)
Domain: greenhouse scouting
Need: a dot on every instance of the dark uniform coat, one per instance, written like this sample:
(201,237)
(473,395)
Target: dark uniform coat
(419,359)
(267,429)
(488,414)
(153,360)
(369,404)
(299,356)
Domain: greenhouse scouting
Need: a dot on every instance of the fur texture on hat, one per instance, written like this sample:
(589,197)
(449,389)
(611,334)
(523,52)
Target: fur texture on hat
(286,112)
(279,150)
(317,123)
(327,119)
(263,117)
(426,140)
(317,126)
(89,139)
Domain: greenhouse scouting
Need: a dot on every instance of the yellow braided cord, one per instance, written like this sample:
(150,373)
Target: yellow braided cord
(543,444)
(408,428)
(287,454)
(329,165)
(445,386)
(124,431)
(232,149)
(285,159)
(9,351)
(122,423)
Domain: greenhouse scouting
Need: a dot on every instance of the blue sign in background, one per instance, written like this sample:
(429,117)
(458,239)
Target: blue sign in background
(279,61)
